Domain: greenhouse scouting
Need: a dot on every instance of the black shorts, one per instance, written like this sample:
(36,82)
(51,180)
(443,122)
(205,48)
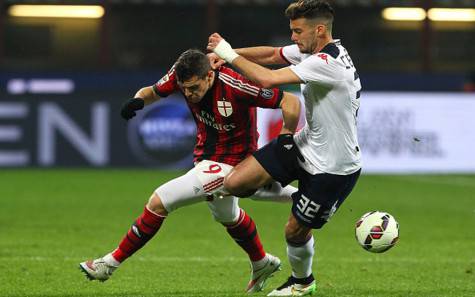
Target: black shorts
(318,196)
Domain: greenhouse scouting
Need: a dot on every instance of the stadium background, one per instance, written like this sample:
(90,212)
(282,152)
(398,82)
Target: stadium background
(73,174)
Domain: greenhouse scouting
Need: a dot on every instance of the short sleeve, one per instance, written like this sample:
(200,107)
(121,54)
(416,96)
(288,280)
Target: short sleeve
(320,68)
(269,98)
(167,84)
(291,54)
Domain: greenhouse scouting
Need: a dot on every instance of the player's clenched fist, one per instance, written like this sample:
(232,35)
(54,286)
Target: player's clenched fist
(221,48)
(130,107)
(213,41)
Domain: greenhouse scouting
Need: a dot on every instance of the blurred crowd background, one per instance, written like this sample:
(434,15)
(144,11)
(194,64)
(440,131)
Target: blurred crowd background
(62,68)
(147,35)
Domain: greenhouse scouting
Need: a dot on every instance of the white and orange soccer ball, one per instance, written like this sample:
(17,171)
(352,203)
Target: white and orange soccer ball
(377,231)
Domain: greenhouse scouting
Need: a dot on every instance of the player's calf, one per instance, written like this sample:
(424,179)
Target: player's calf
(141,231)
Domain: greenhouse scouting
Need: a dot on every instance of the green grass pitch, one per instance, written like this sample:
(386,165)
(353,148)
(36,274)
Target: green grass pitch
(50,220)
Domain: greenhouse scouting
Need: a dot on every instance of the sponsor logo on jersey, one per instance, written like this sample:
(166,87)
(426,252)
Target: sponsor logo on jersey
(225,108)
(209,120)
(266,93)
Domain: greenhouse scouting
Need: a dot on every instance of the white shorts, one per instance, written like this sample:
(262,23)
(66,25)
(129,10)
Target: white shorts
(205,179)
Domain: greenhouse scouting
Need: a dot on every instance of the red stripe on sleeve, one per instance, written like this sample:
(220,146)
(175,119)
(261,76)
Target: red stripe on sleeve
(281,52)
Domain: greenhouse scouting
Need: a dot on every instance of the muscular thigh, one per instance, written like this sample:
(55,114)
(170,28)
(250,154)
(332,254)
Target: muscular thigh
(247,175)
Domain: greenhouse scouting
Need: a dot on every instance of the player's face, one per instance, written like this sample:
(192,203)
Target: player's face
(195,88)
(305,34)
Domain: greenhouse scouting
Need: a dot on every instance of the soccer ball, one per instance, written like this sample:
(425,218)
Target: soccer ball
(377,231)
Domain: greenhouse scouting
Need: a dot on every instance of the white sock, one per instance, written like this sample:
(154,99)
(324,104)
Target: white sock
(300,258)
(275,193)
(110,260)
(256,265)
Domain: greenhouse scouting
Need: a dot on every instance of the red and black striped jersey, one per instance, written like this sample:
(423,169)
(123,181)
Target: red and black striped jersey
(226,116)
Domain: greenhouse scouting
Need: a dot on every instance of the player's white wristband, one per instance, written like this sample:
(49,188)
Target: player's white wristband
(225,51)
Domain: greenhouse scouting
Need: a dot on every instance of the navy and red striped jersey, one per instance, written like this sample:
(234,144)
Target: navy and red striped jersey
(226,116)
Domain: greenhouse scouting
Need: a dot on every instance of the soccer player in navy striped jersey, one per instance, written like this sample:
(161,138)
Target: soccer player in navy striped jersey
(223,105)
(324,156)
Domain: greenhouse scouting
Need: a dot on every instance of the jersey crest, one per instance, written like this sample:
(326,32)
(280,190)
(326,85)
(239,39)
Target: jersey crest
(225,108)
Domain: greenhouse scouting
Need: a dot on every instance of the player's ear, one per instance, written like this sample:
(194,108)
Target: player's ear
(321,29)
(210,75)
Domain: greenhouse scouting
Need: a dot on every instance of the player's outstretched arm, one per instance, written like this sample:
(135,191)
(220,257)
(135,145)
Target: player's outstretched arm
(262,55)
(148,95)
(143,97)
(265,77)
(290,105)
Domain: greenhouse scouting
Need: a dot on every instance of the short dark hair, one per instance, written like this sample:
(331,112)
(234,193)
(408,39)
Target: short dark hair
(190,63)
(310,9)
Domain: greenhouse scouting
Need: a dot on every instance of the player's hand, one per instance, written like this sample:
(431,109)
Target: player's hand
(287,151)
(221,48)
(215,61)
(213,41)
(130,107)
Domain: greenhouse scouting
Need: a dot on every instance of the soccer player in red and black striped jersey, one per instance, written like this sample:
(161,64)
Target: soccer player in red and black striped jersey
(223,105)
(224,108)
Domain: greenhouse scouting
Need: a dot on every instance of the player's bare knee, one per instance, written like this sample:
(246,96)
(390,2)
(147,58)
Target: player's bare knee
(155,204)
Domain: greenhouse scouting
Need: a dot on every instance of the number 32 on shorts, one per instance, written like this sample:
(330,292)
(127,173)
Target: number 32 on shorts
(307,207)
